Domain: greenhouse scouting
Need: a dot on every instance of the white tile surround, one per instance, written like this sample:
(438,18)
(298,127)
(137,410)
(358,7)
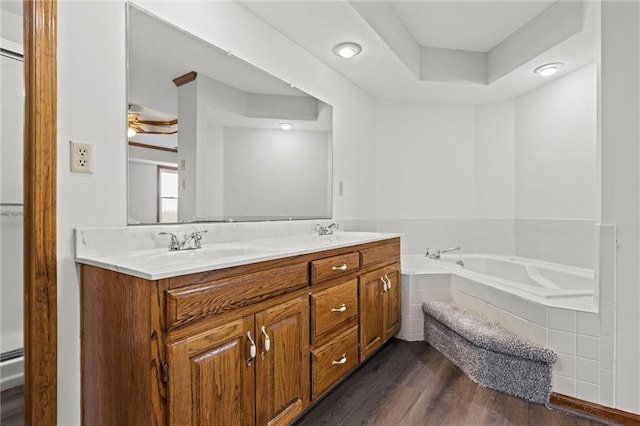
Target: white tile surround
(565,241)
(584,341)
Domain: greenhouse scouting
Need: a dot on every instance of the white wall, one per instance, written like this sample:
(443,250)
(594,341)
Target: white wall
(143,192)
(91,107)
(495,160)
(620,159)
(426,160)
(556,132)
(275,173)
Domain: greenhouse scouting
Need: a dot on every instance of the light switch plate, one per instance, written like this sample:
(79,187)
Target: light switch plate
(81,157)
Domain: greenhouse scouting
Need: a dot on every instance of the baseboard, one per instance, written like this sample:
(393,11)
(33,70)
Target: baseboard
(11,373)
(591,409)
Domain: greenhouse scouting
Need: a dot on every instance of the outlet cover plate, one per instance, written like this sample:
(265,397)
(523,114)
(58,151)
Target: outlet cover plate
(81,157)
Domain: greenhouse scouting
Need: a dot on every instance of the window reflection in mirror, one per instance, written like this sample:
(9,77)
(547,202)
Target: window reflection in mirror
(243,144)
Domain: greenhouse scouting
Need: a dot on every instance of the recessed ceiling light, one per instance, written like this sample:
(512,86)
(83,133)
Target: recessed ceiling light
(286,126)
(548,69)
(347,50)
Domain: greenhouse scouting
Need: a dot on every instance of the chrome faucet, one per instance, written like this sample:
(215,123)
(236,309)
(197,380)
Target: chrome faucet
(190,242)
(436,254)
(328,230)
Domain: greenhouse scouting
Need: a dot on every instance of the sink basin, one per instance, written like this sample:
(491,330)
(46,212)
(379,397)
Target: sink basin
(204,254)
(348,236)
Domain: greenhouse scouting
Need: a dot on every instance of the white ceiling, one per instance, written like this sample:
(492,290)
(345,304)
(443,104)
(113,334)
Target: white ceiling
(477,26)
(386,68)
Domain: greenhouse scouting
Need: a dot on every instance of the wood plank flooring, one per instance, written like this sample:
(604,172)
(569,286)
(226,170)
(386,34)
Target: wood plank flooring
(406,383)
(12,407)
(410,383)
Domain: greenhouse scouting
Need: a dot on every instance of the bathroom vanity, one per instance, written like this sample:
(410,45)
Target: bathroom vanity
(252,343)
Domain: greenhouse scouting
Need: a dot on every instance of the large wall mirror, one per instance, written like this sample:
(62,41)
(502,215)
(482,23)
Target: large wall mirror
(213,138)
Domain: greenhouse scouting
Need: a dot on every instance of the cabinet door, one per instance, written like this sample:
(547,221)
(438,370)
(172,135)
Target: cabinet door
(371,295)
(391,305)
(211,377)
(283,374)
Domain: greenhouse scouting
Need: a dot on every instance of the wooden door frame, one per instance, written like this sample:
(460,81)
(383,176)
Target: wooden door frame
(40,248)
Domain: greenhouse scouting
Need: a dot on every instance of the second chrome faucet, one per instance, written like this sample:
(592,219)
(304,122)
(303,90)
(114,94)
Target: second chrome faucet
(189,242)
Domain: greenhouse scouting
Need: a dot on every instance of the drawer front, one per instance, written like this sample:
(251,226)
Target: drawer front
(331,362)
(387,253)
(334,307)
(187,304)
(330,267)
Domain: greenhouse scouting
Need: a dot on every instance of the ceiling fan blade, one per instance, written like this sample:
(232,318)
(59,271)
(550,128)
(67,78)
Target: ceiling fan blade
(161,123)
(147,132)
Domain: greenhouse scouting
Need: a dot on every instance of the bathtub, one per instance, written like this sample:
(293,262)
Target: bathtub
(541,282)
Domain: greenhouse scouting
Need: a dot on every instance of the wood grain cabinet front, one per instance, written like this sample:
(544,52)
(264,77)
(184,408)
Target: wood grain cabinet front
(332,361)
(333,308)
(245,345)
(249,371)
(379,308)
(334,266)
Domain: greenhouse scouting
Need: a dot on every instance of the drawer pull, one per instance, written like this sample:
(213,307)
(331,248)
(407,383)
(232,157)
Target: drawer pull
(267,342)
(252,349)
(388,282)
(342,267)
(340,309)
(341,361)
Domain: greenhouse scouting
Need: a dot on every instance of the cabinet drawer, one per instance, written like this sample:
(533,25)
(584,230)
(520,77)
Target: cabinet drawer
(198,301)
(332,361)
(324,269)
(333,307)
(387,253)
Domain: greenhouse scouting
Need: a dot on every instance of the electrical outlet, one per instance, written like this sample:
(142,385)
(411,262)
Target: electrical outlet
(81,157)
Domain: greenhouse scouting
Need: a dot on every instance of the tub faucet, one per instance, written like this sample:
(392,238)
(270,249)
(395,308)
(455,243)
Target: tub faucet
(328,230)
(190,242)
(436,254)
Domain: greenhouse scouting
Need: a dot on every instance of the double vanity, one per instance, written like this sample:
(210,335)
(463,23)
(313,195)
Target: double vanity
(249,332)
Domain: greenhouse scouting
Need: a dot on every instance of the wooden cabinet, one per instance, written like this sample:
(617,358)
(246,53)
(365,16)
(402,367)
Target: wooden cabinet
(215,379)
(379,308)
(246,345)
(211,377)
(282,362)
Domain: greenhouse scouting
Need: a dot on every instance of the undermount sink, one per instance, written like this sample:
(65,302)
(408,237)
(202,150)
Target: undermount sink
(199,255)
(347,236)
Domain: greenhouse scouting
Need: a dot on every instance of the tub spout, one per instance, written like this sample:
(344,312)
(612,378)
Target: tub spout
(449,249)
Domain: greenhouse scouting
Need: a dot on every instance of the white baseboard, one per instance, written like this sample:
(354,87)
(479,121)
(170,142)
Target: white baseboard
(11,373)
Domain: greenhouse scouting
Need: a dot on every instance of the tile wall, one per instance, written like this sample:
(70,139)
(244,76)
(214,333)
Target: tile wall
(584,341)
(566,241)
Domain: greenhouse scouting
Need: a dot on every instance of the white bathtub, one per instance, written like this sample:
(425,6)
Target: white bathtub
(546,283)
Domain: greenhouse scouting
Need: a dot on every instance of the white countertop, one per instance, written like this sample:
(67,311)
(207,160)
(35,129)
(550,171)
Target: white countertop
(159,263)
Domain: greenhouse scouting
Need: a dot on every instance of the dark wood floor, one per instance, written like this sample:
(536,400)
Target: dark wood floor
(406,383)
(410,383)
(12,407)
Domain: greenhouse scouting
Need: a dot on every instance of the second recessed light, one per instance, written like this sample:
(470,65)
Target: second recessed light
(547,70)
(347,50)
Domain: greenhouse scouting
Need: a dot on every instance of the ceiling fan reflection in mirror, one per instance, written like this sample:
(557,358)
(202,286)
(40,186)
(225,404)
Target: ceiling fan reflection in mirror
(147,121)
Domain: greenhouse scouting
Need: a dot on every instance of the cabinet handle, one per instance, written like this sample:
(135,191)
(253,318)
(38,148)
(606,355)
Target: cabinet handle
(341,361)
(342,267)
(267,340)
(388,282)
(340,309)
(252,349)
(384,285)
